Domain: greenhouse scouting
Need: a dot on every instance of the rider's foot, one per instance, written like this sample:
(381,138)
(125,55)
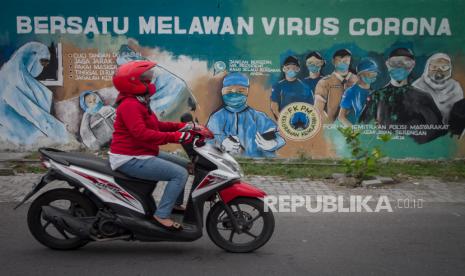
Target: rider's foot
(167,223)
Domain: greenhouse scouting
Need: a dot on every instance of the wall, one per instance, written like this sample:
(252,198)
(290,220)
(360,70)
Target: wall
(58,59)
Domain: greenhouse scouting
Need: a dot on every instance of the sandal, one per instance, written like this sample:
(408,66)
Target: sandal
(174,227)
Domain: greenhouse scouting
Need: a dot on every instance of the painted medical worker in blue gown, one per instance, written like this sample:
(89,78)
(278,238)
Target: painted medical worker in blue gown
(25,103)
(240,129)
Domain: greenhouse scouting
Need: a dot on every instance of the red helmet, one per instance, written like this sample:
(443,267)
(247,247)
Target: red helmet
(128,78)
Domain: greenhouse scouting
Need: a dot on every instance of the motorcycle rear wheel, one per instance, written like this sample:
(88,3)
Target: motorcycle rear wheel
(243,209)
(79,206)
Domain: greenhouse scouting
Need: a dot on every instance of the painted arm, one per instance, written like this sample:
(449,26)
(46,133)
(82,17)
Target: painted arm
(343,117)
(87,136)
(215,123)
(266,125)
(275,109)
(320,100)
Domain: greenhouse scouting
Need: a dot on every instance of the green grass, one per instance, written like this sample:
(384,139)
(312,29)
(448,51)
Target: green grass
(446,170)
(28,168)
(320,169)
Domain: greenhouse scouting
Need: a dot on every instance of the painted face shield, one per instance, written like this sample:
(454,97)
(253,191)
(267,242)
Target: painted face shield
(439,70)
(368,77)
(341,64)
(314,65)
(291,70)
(400,67)
(173,97)
(235,89)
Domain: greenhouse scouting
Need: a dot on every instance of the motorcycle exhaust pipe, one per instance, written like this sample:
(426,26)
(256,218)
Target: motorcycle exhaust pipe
(63,220)
(146,230)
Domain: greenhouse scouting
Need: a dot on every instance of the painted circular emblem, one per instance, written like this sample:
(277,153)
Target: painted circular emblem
(220,66)
(299,121)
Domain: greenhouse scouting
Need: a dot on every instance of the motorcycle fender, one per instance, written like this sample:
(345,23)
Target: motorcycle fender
(47,178)
(240,189)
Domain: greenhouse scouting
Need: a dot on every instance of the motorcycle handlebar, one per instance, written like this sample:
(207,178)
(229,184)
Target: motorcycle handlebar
(200,132)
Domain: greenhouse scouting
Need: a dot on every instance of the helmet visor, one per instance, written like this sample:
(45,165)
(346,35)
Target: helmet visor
(148,76)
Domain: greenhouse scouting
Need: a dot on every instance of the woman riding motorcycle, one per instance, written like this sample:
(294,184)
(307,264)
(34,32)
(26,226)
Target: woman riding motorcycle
(134,148)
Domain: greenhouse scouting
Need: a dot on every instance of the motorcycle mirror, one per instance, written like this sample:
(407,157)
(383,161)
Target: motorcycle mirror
(186,118)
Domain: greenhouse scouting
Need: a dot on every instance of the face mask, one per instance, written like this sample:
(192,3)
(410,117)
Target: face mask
(151,89)
(399,74)
(440,76)
(313,68)
(235,100)
(342,67)
(95,108)
(291,74)
(35,69)
(368,80)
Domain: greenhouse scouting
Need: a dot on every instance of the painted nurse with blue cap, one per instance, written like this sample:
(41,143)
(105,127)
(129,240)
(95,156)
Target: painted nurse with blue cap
(354,98)
(240,129)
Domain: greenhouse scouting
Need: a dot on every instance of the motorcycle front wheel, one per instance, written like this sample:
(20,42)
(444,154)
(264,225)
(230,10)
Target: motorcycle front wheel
(256,225)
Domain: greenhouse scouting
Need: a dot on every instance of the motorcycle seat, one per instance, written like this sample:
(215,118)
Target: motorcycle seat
(82,160)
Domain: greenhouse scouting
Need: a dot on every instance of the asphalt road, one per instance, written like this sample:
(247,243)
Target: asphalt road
(426,241)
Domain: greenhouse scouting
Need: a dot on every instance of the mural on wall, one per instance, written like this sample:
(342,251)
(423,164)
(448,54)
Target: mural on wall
(25,103)
(290,89)
(314,62)
(354,98)
(401,104)
(437,81)
(267,86)
(329,90)
(97,121)
(240,129)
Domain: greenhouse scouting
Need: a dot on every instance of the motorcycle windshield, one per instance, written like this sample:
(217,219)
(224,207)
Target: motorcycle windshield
(173,98)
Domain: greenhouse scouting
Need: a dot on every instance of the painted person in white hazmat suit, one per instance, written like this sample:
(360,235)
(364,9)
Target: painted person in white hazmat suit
(25,103)
(437,81)
(97,122)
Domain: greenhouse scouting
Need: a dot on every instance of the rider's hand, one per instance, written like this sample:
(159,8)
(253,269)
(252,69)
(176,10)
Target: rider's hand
(231,145)
(264,144)
(185,137)
(187,127)
(190,126)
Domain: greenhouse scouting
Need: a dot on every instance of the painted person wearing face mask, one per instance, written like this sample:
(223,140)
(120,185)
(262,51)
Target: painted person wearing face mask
(399,103)
(97,121)
(290,89)
(329,90)
(437,81)
(314,62)
(354,98)
(25,103)
(238,128)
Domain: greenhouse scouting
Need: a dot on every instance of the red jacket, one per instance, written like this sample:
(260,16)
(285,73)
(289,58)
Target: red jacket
(138,131)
